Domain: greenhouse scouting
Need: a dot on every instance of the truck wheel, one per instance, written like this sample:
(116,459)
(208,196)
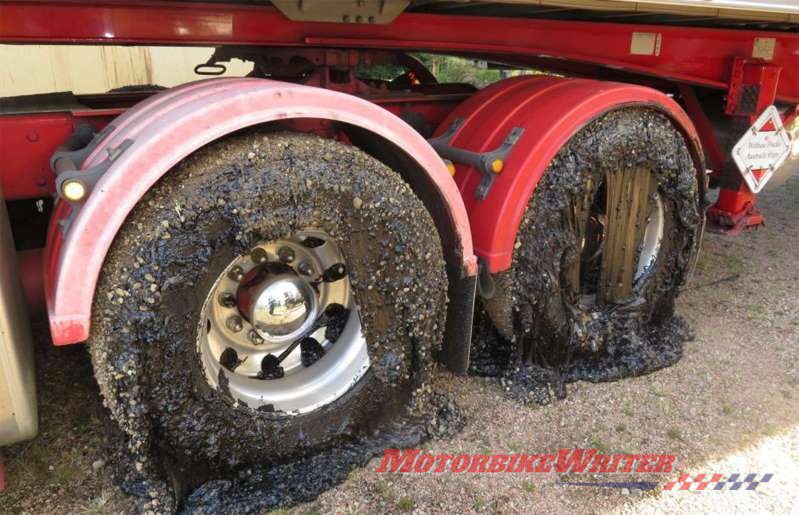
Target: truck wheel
(605,243)
(272,295)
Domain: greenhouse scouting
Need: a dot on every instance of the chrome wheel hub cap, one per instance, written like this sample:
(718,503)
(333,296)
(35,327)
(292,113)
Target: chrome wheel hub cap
(280,329)
(284,307)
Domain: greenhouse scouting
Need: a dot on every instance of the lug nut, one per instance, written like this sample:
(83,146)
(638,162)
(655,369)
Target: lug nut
(229,359)
(259,256)
(305,268)
(227,300)
(236,273)
(334,273)
(255,338)
(286,254)
(270,367)
(234,323)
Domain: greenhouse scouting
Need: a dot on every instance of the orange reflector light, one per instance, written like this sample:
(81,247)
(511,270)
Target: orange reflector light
(497,165)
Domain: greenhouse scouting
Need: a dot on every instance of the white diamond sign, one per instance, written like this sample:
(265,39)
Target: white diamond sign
(762,150)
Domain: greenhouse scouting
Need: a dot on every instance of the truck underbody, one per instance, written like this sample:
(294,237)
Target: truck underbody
(587,164)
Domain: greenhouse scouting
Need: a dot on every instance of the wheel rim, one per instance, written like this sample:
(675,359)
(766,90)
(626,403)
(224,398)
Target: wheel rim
(280,330)
(623,223)
(652,240)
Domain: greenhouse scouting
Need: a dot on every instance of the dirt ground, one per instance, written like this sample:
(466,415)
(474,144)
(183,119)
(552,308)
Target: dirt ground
(730,405)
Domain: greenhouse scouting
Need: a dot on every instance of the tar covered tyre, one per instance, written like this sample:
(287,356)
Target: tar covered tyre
(273,295)
(606,242)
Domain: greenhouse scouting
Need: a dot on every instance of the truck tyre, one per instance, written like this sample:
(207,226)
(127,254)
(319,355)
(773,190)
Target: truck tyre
(606,241)
(272,295)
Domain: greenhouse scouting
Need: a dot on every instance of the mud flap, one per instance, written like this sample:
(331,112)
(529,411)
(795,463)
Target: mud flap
(18,419)
(458,333)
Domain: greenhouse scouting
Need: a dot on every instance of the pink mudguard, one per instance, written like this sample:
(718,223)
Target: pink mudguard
(168,127)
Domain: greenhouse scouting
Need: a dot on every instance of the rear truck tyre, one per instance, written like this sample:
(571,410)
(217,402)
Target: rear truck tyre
(274,294)
(605,244)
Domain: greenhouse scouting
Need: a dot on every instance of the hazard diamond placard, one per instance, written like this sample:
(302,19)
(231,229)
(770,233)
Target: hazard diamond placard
(762,150)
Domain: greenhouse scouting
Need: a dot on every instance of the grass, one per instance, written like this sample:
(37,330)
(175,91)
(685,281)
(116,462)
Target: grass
(528,486)
(384,493)
(674,434)
(657,393)
(595,443)
(516,447)
(724,262)
(29,465)
(755,311)
(98,505)
(405,504)
(62,474)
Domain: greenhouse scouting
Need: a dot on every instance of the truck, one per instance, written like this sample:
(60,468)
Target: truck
(265,265)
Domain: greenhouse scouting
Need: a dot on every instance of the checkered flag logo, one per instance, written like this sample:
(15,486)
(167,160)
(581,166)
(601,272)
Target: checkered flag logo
(717,482)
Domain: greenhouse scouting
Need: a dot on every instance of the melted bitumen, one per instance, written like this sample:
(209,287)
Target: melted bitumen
(540,340)
(270,485)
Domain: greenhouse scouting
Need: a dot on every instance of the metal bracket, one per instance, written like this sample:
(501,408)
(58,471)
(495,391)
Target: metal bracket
(78,147)
(482,161)
(66,165)
(90,176)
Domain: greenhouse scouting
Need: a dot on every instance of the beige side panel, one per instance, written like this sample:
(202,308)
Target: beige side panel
(18,418)
(33,69)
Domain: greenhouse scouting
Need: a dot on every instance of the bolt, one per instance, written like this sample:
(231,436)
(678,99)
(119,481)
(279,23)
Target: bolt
(229,359)
(305,268)
(334,273)
(236,273)
(259,256)
(270,367)
(227,300)
(286,254)
(234,323)
(255,338)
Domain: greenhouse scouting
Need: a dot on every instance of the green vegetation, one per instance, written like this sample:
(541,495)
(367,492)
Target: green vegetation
(674,434)
(406,504)
(595,443)
(445,68)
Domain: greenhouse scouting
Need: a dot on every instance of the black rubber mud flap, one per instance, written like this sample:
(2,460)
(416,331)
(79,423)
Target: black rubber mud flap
(460,320)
